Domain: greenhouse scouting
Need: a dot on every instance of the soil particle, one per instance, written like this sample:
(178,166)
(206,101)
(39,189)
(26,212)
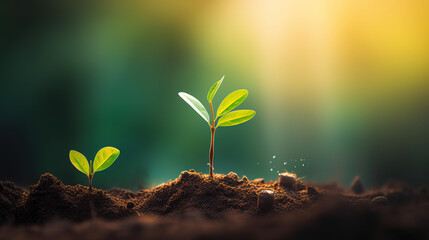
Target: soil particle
(130,205)
(265,201)
(380,201)
(357,186)
(259,180)
(312,191)
(287,180)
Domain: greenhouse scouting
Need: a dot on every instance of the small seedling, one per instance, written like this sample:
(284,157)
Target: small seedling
(103,159)
(226,116)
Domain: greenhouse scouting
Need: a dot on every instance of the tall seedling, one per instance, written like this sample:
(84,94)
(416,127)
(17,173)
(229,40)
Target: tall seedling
(224,116)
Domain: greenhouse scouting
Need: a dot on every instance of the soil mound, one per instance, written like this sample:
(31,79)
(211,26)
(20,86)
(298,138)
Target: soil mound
(216,197)
(50,198)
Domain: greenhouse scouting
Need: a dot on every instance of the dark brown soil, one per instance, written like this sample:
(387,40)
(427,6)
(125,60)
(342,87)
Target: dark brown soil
(196,207)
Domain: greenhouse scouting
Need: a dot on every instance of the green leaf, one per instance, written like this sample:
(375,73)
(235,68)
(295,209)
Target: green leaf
(231,101)
(235,118)
(79,161)
(196,105)
(104,158)
(214,89)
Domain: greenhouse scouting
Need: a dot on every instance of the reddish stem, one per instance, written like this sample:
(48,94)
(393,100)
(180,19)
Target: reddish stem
(211,152)
(90,181)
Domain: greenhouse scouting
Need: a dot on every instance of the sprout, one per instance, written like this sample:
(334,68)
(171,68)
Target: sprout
(224,115)
(103,159)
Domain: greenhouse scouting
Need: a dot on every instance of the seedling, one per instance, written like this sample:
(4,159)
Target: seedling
(103,159)
(226,116)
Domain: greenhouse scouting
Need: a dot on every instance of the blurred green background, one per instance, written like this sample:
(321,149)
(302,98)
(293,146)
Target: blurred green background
(341,88)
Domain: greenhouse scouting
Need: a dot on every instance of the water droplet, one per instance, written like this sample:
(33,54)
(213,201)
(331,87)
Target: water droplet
(274,156)
(303,164)
(270,162)
(295,166)
(271,169)
(284,163)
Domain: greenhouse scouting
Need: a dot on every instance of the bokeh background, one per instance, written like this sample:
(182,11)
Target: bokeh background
(341,88)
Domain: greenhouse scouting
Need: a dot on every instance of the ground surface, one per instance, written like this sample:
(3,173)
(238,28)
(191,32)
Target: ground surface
(196,207)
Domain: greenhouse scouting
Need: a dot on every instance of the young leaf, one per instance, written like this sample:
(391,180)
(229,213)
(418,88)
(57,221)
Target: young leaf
(79,161)
(104,158)
(231,101)
(196,105)
(214,89)
(235,118)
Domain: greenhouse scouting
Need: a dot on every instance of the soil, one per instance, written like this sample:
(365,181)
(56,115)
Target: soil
(226,207)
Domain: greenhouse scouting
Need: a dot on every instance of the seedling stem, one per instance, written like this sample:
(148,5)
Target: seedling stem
(91,167)
(211,152)
(90,181)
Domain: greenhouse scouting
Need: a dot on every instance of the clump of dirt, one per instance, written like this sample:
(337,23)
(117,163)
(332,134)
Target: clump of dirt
(50,198)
